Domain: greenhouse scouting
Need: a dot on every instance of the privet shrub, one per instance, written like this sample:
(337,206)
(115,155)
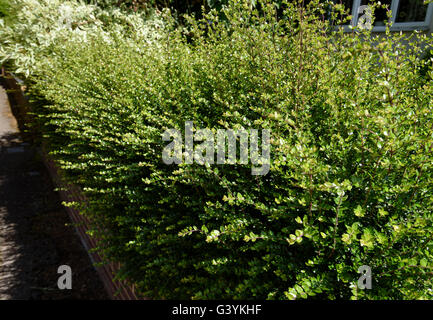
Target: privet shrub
(350,181)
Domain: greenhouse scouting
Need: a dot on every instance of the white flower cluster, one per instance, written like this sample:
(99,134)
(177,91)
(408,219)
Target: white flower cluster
(41,24)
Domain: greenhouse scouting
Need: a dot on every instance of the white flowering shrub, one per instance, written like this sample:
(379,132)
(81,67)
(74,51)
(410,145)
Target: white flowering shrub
(42,24)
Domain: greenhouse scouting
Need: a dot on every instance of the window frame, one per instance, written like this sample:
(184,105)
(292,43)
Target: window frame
(395,26)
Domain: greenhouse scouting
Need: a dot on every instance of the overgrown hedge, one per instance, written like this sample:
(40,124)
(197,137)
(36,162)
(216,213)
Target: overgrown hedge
(350,181)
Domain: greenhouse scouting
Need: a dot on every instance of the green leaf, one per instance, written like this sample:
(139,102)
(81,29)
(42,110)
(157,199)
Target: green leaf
(359,211)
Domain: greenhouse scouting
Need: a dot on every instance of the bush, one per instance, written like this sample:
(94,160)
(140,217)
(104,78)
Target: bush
(350,181)
(41,26)
(181,7)
(4,8)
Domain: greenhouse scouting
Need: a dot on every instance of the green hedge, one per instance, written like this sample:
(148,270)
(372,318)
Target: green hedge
(350,181)
(4,8)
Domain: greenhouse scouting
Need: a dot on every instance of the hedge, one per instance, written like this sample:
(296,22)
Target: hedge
(350,181)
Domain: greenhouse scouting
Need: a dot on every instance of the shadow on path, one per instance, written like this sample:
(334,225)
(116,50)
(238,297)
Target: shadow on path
(35,232)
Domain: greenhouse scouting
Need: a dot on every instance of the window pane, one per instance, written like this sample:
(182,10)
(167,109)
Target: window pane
(411,10)
(380,16)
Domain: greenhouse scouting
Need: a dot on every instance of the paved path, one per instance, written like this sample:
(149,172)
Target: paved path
(34,236)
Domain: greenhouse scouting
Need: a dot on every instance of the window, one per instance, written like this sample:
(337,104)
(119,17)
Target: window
(406,14)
